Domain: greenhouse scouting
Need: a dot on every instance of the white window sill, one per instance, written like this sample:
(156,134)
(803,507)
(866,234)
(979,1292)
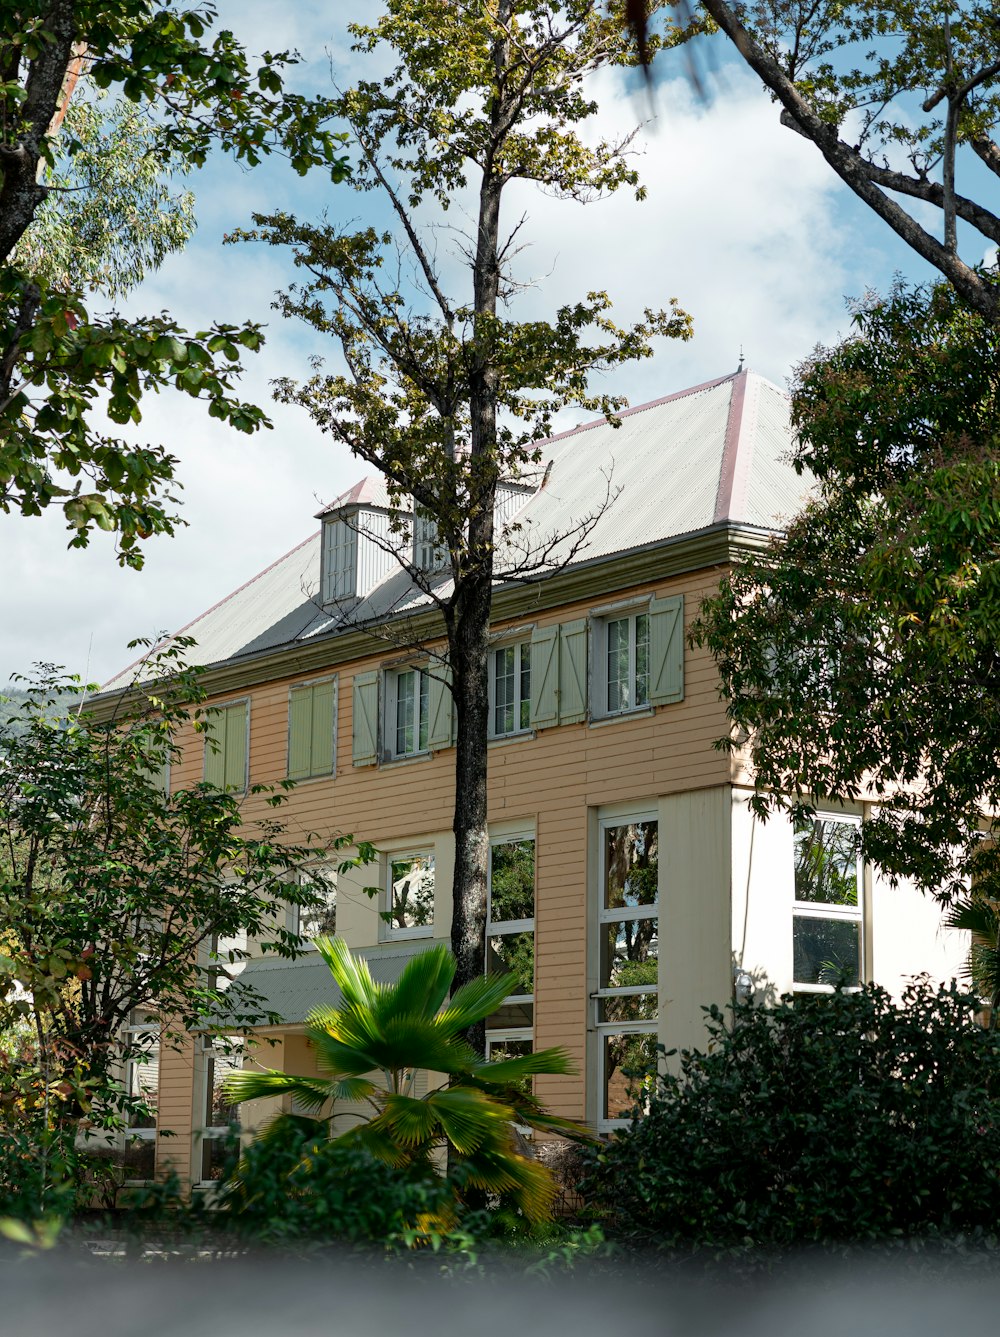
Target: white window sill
(502,739)
(407,934)
(640,711)
(410,757)
(311,779)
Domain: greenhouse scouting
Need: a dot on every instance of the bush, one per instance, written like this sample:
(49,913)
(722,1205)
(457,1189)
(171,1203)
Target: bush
(296,1187)
(844,1118)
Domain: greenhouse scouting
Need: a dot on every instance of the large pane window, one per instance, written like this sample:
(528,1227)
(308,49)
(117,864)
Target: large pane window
(318,920)
(409,896)
(827,933)
(142,1083)
(221,1055)
(510,943)
(627,999)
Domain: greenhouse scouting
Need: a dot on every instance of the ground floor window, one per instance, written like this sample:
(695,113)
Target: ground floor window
(626,1001)
(510,943)
(220,1056)
(142,1085)
(827,918)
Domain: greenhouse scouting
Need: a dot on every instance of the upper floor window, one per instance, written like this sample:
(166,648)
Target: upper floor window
(409,896)
(227,736)
(312,724)
(318,920)
(429,553)
(339,560)
(827,921)
(407,711)
(626,662)
(510,689)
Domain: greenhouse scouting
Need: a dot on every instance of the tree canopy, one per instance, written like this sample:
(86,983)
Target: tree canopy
(859,651)
(61,367)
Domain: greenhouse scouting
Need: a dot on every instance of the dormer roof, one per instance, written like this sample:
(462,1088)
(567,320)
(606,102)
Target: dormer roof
(714,456)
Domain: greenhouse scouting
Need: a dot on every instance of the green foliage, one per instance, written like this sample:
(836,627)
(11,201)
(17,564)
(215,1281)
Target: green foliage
(297,1188)
(859,651)
(836,1118)
(121,902)
(84,204)
(370,1049)
(979,916)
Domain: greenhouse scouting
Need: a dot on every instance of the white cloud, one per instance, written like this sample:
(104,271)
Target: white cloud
(744,225)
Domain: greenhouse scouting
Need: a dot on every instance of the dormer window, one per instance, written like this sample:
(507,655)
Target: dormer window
(340,560)
(429,554)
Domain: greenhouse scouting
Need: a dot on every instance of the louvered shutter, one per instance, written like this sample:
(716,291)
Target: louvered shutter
(365,725)
(324,722)
(573,671)
(544,677)
(440,707)
(666,650)
(215,751)
(235,749)
(300,713)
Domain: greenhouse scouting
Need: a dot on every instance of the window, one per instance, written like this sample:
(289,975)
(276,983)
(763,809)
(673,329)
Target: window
(626,645)
(221,1055)
(429,553)
(627,998)
(408,718)
(227,731)
(339,561)
(409,896)
(318,920)
(312,729)
(827,918)
(510,943)
(510,689)
(142,1083)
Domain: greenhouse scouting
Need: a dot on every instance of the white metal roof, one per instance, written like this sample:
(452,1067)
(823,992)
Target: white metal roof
(719,452)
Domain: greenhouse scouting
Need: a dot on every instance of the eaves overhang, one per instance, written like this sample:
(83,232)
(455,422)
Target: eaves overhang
(715,545)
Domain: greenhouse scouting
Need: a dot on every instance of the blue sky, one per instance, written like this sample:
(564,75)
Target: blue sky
(744,225)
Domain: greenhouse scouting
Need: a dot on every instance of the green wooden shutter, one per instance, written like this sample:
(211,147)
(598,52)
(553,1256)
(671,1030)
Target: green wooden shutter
(666,650)
(215,751)
(440,707)
(300,720)
(324,725)
(235,751)
(544,677)
(573,671)
(365,726)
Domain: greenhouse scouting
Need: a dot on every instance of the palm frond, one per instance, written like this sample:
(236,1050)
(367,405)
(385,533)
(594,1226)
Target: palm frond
(408,1120)
(340,1059)
(311,1092)
(419,1042)
(510,1071)
(373,1137)
(477,1000)
(470,1118)
(351,973)
(529,1184)
(423,984)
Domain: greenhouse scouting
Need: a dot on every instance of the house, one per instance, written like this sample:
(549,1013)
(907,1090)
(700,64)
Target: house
(630,883)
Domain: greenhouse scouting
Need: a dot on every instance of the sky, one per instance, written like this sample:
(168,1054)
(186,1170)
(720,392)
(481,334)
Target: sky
(744,224)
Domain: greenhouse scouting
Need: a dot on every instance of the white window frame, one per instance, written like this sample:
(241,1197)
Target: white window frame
(390,720)
(521,646)
(604,1029)
(497,928)
(338,577)
(296,911)
(389,932)
(135,1029)
(204,1132)
(630,612)
(819,910)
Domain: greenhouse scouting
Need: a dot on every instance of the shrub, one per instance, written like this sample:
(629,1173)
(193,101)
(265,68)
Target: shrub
(839,1118)
(296,1187)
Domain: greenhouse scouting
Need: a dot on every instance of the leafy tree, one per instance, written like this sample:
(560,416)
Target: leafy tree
(844,1117)
(59,364)
(444,390)
(121,903)
(858,652)
(891,92)
(979,915)
(393,1030)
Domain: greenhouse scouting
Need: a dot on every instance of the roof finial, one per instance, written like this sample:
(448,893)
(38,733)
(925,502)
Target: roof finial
(740,367)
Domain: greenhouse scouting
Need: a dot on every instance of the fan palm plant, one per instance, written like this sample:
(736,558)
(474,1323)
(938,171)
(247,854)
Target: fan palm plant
(980,916)
(369,1050)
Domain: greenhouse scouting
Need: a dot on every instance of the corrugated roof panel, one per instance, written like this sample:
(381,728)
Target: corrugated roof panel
(775,492)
